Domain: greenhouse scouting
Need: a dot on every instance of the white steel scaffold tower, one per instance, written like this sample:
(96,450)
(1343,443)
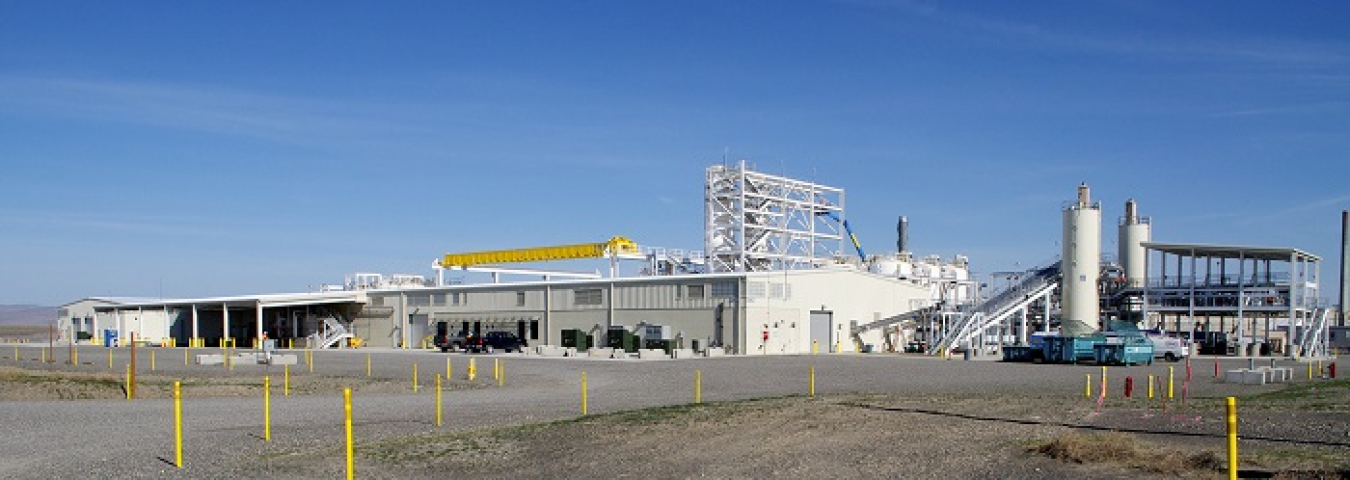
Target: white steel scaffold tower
(757,222)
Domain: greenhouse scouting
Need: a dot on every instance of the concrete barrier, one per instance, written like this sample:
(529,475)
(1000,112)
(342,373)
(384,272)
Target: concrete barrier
(210,359)
(683,353)
(600,353)
(1250,377)
(550,351)
(714,352)
(652,354)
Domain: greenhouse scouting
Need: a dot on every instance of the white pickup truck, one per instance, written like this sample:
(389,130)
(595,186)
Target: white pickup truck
(1168,348)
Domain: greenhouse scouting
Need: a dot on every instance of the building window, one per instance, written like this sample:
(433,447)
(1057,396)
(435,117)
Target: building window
(780,291)
(520,299)
(757,290)
(459,298)
(438,299)
(422,300)
(695,292)
(588,296)
(377,301)
(724,290)
(63,313)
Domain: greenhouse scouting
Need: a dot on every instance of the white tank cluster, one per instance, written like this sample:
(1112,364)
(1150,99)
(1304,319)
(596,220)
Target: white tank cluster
(1080,265)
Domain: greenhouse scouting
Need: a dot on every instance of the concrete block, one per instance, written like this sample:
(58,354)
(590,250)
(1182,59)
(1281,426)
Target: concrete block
(714,352)
(600,353)
(284,359)
(210,359)
(620,354)
(551,351)
(682,353)
(1251,377)
(652,354)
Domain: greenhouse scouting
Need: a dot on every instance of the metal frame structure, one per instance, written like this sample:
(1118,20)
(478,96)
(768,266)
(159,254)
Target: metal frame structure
(1246,283)
(756,222)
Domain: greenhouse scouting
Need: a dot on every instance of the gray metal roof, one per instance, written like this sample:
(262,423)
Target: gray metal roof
(1231,251)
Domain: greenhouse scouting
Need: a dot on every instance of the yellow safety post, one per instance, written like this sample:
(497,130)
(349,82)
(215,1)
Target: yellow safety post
(438,400)
(309,359)
(44,356)
(1150,385)
(836,346)
(1170,379)
(473,369)
(347,424)
(414,377)
(1309,370)
(496,368)
(185,355)
(815,347)
(286,382)
(177,425)
(1232,439)
(583,390)
(501,375)
(698,386)
(1319,367)
(448,370)
(267,409)
(1103,381)
(367,364)
(75,357)
(1087,390)
(812,389)
(128,380)
(110,361)
(152,360)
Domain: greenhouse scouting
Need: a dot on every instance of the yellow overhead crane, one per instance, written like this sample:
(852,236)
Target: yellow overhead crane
(616,247)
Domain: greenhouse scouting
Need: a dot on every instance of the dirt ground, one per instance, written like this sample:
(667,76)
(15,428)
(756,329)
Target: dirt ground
(849,435)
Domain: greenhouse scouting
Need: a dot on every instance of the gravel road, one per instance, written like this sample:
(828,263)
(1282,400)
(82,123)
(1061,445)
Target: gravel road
(124,439)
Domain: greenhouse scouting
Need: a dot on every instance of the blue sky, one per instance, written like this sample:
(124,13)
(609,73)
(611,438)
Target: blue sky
(213,148)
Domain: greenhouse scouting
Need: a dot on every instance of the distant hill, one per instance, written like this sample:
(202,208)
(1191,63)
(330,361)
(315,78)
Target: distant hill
(27,315)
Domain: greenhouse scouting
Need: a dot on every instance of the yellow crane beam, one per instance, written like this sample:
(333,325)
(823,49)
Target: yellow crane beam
(615,246)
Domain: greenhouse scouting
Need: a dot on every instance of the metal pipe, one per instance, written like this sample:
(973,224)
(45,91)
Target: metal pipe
(1345,267)
(902,236)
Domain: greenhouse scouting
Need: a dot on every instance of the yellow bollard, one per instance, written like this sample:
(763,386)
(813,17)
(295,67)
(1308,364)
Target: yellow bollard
(815,347)
(583,390)
(1319,367)
(501,375)
(812,389)
(1103,381)
(185,355)
(1087,391)
(1150,385)
(1170,379)
(286,382)
(367,364)
(267,409)
(836,346)
(473,369)
(496,368)
(309,359)
(448,370)
(414,377)
(44,357)
(177,425)
(347,425)
(438,400)
(1232,439)
(152,360)
(110,360)
(128,381)
(698,386)
(75,357)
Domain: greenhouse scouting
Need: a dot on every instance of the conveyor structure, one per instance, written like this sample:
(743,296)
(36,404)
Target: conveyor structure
(616,247)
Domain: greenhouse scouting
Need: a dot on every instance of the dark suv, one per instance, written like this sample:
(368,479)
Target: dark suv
(504,341)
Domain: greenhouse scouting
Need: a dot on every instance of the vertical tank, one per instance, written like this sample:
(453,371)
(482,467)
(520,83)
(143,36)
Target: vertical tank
(1134,231)
(902,235)
(1080,265)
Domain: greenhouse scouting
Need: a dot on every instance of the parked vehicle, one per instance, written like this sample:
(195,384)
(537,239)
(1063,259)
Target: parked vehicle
(1169,348)
(457,341)
(504,341)
(487,343)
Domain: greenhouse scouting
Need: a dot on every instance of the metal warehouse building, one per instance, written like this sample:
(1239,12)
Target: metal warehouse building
(746,313)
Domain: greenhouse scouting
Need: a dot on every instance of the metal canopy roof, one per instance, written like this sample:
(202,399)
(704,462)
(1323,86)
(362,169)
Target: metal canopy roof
(1231,251)
(267,300)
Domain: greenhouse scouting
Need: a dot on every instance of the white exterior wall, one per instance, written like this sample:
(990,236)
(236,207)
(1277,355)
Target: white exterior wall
(850,296)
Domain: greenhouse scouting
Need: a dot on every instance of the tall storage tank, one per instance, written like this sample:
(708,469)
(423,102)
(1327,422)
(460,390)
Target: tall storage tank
(1080,265)
(1134,231)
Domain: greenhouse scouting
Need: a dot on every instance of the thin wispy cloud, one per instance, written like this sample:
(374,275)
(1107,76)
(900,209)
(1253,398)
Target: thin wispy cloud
(201,108)
(1272,52)
(1298,109)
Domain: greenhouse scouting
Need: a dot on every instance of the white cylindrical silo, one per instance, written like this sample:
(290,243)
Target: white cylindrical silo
(1134,231)
(1080,265)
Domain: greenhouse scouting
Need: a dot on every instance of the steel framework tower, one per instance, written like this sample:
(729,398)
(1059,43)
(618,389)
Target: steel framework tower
(758,222)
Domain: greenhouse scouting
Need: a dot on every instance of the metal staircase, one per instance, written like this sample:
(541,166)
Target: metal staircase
(1312,345)
(335,335)
(1036,285)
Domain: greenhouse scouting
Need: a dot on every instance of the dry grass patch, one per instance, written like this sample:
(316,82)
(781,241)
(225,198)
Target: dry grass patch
(1129,450)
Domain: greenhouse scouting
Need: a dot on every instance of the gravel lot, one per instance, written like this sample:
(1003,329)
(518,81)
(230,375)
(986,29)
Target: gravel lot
(875,415)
